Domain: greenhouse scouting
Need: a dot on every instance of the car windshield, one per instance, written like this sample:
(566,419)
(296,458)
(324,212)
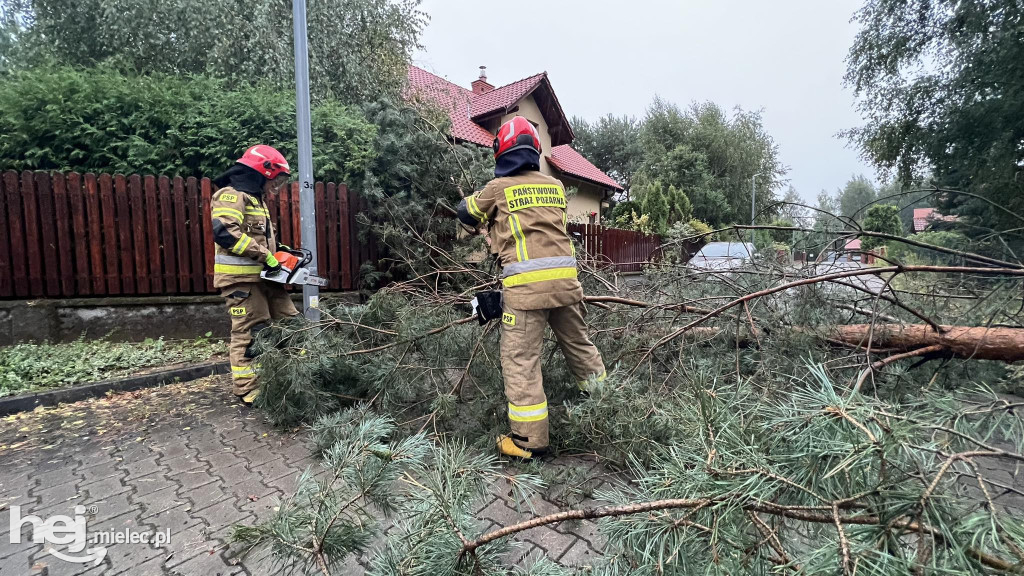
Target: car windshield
(724,250)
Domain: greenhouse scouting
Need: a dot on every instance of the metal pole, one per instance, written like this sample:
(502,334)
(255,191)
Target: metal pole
(753,192)
(307,199)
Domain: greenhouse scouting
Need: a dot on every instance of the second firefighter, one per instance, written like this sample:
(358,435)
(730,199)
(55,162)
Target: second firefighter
(525,211)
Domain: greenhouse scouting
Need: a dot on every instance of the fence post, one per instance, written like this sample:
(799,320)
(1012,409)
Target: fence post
(79,235)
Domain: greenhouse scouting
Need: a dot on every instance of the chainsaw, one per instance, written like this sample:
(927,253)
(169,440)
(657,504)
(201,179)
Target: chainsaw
(293,269)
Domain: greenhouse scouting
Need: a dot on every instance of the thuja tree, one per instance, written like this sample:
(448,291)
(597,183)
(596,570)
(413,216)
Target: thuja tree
(768,420)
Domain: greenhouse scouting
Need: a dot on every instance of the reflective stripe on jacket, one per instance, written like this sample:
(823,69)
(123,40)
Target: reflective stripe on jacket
(243,234)
(527,214)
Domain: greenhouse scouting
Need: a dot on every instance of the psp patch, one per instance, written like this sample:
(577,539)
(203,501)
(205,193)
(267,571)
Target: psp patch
(229,198)
(509,319)
(238,311)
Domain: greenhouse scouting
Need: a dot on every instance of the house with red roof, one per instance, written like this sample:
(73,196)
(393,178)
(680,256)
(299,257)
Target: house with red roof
(478,111)
(925,217)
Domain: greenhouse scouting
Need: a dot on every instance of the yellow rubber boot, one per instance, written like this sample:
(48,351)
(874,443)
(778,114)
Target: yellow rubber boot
(508,447)
(249,398)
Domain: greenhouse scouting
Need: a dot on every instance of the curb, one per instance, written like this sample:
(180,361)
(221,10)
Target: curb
(27,402)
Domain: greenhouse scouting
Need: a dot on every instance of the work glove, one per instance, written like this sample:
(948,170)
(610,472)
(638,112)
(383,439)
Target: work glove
(270,264)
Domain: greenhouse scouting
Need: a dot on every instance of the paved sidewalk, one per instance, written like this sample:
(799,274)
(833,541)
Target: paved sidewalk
(189,459)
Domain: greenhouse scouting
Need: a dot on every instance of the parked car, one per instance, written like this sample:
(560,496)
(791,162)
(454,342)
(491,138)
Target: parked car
(839,258)
(722,256)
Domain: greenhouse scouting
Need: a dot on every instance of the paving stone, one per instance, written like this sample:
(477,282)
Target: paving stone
(208,495)
(287,484)
(134,451)
(19,562)
(586,530)
(141,467)
(519,552)
(181,464)
(48,478)
(263,507)
(222,460)
(112,506)
(59,494)
(174,450)
(499,513)
(273,470)
(150,484)
(26,548)
(99,472)
(554,544)
(207,565)
(104,488)
(53,566)
(222,514)
(259,455)
(251,488)
(158,501)
(176,519)
(189,543)
(206,442)
(126,554)
(235,433)
(236,474)
(188,481)
(15,479)
(152,567)
(579,554)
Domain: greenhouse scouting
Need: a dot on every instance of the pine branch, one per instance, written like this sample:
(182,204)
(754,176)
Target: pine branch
(811,514)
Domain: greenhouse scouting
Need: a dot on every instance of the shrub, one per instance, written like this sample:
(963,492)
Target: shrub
(100,120)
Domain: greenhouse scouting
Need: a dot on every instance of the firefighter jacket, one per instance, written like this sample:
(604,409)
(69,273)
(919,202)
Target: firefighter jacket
(527,218)
(244,236)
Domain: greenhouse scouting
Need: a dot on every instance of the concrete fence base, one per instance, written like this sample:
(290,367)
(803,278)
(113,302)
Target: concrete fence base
(121,319)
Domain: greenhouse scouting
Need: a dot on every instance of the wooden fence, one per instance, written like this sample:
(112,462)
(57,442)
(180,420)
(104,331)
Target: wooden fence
(621,250)
(73,235)
(69,235)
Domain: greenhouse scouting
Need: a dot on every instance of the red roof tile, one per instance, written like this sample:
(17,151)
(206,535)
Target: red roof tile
(452,97)
(571,162)
(463,105)
(923,217)
(504,97)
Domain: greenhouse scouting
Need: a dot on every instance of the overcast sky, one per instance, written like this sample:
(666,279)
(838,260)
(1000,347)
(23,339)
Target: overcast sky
(785,57)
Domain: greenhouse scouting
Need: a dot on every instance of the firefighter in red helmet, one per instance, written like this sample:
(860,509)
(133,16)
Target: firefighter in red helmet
(245,247)
(526,214)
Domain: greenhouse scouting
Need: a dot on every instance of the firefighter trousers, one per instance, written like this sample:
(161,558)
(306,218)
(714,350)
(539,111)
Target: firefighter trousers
(252,305)
(522,337)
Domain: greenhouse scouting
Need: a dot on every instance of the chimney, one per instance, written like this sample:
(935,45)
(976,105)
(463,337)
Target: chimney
(480,85)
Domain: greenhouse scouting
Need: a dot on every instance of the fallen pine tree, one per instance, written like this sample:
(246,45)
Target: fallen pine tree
(732,406)
(973,342)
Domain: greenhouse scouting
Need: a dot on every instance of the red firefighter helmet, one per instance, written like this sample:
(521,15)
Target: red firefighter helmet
(515,134)
(265,160)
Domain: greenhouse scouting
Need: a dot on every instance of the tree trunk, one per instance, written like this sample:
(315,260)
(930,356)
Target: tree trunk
(980,343)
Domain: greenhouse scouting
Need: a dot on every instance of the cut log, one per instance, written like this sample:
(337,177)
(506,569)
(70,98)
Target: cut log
(980,343)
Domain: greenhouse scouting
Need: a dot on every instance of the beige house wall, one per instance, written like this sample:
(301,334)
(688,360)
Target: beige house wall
(587,199)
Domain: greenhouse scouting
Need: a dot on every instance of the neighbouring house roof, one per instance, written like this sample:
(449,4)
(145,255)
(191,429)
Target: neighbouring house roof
(466,109)
(853,245)
(569,161)
(923,217)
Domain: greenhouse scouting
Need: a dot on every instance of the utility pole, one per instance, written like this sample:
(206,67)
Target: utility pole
(753,193)
(307,199)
